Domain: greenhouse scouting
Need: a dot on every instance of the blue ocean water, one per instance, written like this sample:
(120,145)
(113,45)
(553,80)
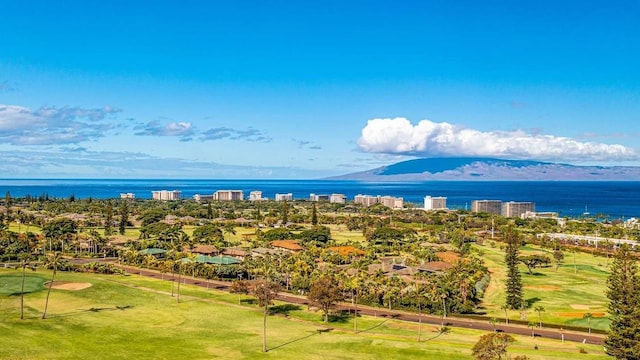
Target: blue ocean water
(614,199)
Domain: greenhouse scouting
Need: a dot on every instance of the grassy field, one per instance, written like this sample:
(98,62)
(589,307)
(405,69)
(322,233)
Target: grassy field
(134,317)
(566,293)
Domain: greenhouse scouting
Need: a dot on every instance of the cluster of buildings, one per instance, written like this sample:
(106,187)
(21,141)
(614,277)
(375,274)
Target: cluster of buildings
(498,207)
(238,195)
(388,201)
(522,209)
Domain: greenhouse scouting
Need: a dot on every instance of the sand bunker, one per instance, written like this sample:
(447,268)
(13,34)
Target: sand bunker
(68,285)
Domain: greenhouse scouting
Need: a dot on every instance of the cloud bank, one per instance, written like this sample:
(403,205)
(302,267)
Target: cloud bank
(250,134)
(183,130)
(50,125)
(428,139)
(77,162)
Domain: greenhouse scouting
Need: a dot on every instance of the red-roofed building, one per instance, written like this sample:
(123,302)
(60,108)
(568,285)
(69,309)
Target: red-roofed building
(287,245)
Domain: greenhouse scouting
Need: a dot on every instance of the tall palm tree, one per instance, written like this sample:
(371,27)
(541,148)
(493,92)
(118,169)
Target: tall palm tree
(588,316)
(505,308)
(443,296)
(418,292)
(51,261)
(493,321)
(229,229)
(539,309)
(532,325)
(356,284)
(24,264)
(182,263)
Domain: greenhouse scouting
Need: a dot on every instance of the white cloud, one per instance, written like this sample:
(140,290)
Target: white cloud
(49,125)
(428,138)
(183,130)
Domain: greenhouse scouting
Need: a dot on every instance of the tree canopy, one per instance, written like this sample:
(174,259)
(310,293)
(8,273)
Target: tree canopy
(325,292)
(59,227)
(491,346)
(210,233)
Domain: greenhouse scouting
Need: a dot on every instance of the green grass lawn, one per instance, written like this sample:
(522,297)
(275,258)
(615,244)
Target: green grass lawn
(566,293)
(134,317)
(11,284)
(341,235)
(22,228)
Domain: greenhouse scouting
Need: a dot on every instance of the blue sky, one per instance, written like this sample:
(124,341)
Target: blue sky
(293,89)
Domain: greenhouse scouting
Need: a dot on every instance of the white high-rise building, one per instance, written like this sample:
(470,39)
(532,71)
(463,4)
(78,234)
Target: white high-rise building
(435,203)
(228,195)
(166,195)
(366,200)
(318,197)
(517,209)
(256,196)
(487,206)
(284,197)
(392,202)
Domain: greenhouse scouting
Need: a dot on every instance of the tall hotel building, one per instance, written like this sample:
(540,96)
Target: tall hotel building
(391,202)
(166,195)
(366,200)
(338,198)
(435,203)
(228,195)
(517,209)
(256,196)
(487,206)
(284,197)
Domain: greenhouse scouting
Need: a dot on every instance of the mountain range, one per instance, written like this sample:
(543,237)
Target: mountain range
(472,168)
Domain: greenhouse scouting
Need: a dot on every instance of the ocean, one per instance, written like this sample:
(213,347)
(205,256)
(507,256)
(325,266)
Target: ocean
(615,200)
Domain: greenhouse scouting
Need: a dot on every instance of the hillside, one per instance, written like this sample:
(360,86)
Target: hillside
(468,168)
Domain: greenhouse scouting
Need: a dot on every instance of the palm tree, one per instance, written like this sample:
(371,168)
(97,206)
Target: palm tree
(24,264)
(532,325)
(539,309)
(505,308)
(356,283)
(419,293)
(393,286)
(182,263)
(170,265)
(588,316)
(493,321)
(229,229)
(52,260)
(443,297)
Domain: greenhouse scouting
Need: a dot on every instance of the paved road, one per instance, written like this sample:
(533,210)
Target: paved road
(551,333)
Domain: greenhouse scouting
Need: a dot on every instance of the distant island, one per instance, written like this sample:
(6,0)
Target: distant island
(476,168)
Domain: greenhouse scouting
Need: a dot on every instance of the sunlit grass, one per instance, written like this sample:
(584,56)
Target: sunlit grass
(135,317)
(566,293)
